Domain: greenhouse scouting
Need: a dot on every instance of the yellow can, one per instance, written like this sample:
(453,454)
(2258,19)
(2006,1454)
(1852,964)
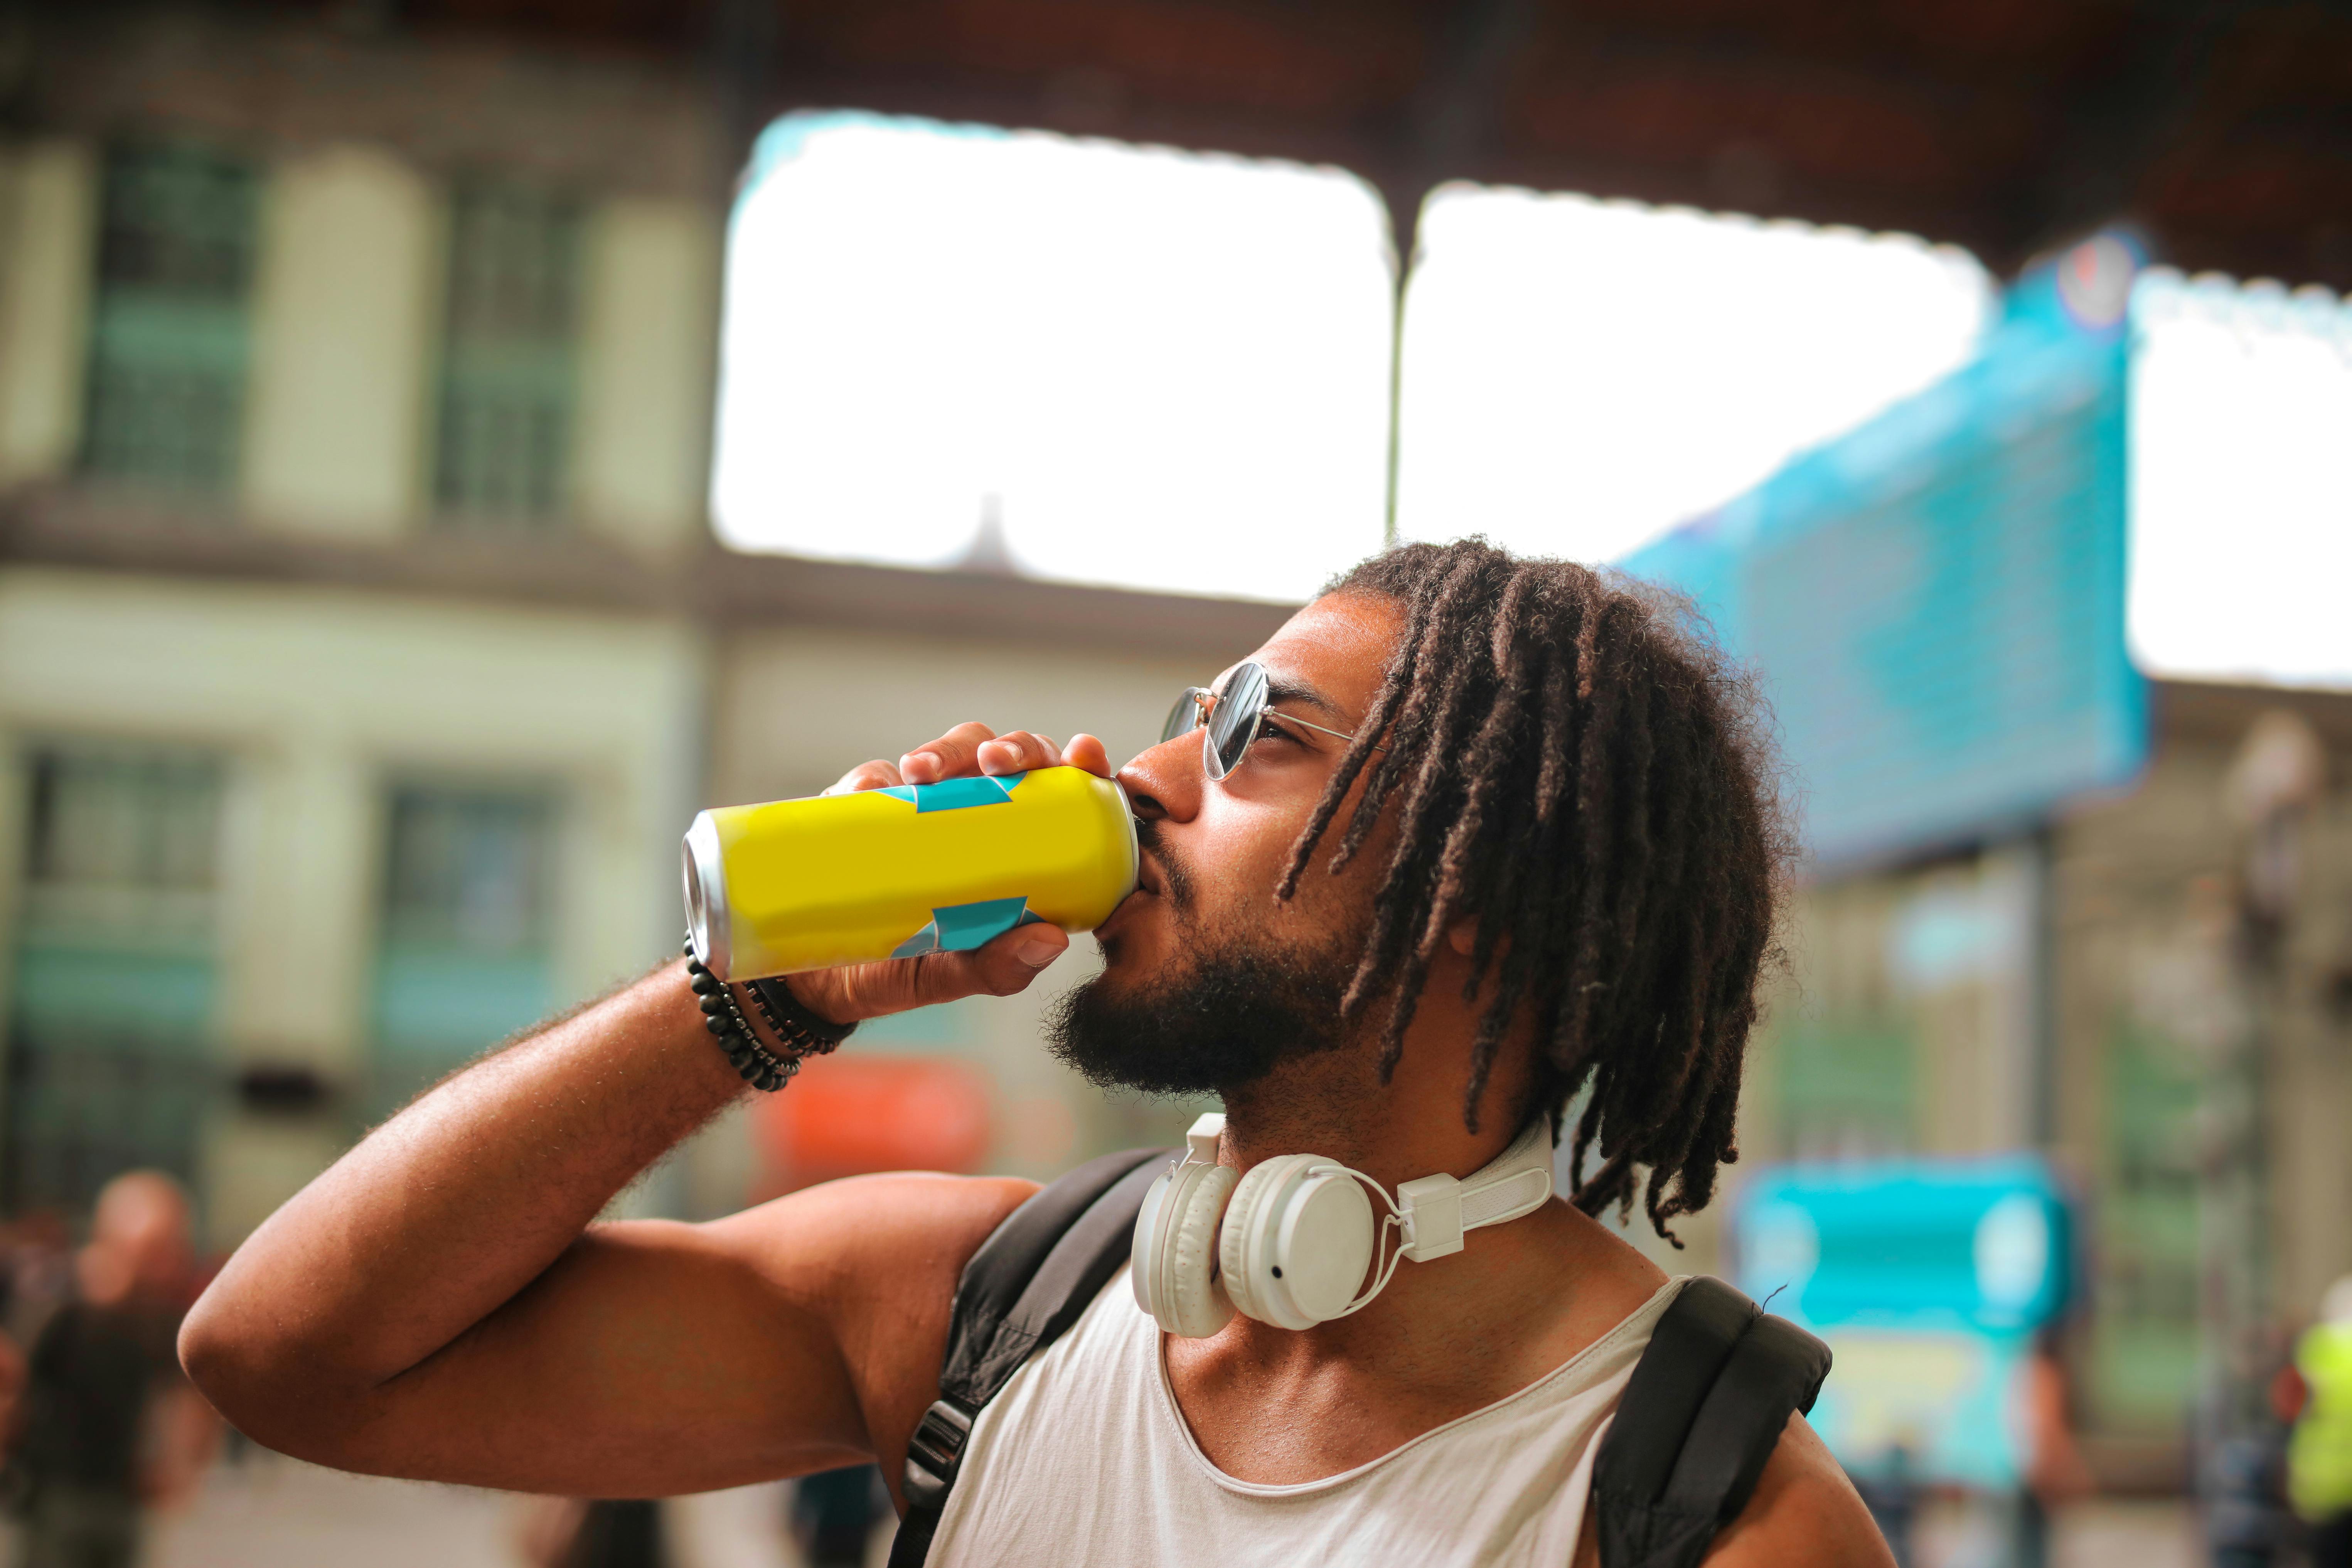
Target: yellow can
(900,872)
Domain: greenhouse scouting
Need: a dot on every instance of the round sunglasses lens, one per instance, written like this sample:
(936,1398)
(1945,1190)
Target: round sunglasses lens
(1183,716)
(1233,723)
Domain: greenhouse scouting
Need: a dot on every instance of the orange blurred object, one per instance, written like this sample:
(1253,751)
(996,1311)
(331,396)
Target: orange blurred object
(846,1116)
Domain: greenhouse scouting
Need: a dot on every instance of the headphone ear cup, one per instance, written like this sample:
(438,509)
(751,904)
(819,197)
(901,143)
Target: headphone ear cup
(1144,1251)
(1174,1273)
(1296,1240)
(1235,1250)
(1196,1304)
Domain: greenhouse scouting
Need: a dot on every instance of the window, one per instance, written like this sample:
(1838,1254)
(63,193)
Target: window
(2242,480)
(465,953)
(957,345)
(1580,375)
(2144,1327)
(110,1041)
(1847,1087)
(507,369)
(169,329)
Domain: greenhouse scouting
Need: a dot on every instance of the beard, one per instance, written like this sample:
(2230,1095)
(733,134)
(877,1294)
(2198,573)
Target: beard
(1240,1005)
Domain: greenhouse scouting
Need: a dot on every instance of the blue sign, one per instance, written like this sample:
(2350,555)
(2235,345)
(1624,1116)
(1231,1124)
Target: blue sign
(1977,1243)
(1937,600)
(1928,1281)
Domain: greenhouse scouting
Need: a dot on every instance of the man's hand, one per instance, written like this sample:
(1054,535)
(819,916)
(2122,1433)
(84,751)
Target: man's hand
(998,968)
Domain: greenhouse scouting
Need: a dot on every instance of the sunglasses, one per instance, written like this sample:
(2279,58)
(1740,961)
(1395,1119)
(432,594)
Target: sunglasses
(1229,719)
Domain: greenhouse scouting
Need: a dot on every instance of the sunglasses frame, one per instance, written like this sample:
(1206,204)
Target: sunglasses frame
(1245,699)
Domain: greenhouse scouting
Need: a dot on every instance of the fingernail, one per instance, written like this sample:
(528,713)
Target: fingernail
(1037,950)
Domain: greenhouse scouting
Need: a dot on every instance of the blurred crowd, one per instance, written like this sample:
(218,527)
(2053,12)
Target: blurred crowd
(102,1431)
(101,1424)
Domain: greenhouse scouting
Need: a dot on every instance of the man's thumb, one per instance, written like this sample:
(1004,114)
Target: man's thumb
(1010,962)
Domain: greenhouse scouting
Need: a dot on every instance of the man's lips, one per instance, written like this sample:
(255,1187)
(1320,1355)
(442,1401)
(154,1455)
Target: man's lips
(1149,883)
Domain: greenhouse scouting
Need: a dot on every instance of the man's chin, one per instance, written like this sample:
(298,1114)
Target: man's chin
(1217,1017)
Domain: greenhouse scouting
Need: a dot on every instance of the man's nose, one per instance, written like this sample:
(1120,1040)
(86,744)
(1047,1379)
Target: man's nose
(1164,783)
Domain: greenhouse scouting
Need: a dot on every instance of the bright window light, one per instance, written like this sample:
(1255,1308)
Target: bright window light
(2242,481)
(1581,375)
(1120,364)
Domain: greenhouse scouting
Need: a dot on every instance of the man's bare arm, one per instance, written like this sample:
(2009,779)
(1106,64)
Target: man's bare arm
(438,1304)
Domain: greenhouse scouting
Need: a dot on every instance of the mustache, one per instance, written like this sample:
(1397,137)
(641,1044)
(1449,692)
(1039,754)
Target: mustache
(1182,886)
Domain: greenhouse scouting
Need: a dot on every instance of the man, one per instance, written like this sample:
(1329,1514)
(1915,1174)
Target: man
(1504,835)
(109,1425)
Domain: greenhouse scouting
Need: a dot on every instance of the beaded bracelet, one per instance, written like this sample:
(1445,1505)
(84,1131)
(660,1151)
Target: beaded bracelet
(802,1032)
(793,1022)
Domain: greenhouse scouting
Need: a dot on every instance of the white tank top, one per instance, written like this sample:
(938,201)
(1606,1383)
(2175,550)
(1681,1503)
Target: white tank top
(1083,1459)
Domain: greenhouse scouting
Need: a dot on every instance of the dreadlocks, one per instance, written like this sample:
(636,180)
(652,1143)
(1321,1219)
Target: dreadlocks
(1590,780)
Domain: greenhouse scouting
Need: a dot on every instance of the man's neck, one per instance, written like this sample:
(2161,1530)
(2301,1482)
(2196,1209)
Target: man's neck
(1335,1103)
(1445,1337)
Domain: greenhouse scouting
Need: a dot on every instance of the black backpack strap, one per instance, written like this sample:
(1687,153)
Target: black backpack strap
(1699,1418)
(1030,1280)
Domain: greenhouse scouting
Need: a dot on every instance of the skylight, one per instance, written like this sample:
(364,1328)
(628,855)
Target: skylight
(1581,375)
(1080,359)
(2242,480)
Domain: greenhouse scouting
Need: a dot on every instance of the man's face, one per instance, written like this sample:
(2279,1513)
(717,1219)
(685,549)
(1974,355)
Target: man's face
(1207,981)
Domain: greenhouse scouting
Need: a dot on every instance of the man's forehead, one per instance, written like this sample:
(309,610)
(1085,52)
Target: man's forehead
(1331,653)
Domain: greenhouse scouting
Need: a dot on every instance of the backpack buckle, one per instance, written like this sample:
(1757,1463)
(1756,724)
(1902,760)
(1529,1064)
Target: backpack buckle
(933,1451)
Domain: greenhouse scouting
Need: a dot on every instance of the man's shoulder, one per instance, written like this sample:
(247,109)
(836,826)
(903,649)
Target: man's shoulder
(876,1259)
(1803,1511)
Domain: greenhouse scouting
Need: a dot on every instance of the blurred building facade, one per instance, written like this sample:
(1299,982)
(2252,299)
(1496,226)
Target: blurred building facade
(363,650)
(2088,990)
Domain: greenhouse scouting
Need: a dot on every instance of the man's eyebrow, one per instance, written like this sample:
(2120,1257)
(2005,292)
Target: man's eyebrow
(1279,689)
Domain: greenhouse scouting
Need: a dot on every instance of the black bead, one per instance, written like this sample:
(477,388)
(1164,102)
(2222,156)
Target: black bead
(704,985)
(716,1025)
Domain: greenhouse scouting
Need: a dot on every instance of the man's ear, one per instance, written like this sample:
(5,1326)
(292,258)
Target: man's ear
(1461,936)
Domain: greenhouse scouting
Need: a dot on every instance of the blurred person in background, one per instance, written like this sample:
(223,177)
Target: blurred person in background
(603,1532)
(833,1513)
(37,1273)
(2055,1471)
(110,1427)
(2319,1454)
(1502,831)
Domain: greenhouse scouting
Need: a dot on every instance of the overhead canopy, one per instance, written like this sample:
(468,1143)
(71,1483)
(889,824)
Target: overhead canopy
(2224,129)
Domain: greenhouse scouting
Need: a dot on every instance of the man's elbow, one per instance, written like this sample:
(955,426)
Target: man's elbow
(262,1380)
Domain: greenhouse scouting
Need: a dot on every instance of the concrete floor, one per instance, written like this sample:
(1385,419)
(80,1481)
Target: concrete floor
(274,1512)
(2105,1533)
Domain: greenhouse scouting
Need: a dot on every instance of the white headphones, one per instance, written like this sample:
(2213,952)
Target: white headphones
(1289,1243)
